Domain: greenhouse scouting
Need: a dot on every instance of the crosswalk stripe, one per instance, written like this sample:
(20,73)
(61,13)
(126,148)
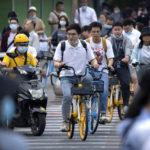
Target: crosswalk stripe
(104,139)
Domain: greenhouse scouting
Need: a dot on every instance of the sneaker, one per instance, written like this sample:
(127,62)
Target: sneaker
(125,109)
(64,126)
(103,119)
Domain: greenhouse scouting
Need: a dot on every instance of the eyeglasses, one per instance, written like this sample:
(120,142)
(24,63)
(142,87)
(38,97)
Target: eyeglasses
(71,34)
(95,31)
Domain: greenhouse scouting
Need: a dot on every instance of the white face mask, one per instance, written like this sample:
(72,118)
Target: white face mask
(22,49)
(62,23)
(74,43)
(116,11)
(13,27)
(83,8)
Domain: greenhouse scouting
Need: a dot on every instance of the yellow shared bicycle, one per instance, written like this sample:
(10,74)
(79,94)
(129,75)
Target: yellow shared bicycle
(79,107)
(114,98)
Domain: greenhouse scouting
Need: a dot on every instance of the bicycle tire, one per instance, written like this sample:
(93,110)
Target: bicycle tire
(94,113)
(44,77)
(110,109)
(83,122)
(71,124)
(120,107)
(53,80)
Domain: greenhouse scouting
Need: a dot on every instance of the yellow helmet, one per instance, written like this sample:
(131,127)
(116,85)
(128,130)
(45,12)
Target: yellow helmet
(21,39)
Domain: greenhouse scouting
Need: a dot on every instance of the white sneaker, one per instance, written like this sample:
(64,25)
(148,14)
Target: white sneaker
(125,109)
(103,119)
(64,126)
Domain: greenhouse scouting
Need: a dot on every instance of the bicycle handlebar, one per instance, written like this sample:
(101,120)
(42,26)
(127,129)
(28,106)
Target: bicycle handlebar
(71,68)
(100,76)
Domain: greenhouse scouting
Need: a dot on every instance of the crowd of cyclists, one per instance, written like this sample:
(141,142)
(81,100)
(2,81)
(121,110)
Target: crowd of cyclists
(115,42)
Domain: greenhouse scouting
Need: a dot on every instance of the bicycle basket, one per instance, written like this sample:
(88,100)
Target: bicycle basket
(113,81)
(98,86)
(84,90)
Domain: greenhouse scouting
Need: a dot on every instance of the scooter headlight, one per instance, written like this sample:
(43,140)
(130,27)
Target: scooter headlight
(37,94)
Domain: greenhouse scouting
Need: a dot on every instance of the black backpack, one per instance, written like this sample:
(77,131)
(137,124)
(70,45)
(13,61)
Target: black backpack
(63,46)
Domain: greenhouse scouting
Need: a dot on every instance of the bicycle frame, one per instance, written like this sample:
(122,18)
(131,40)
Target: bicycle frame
(75,102)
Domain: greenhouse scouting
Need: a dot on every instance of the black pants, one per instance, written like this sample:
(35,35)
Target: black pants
(124,77)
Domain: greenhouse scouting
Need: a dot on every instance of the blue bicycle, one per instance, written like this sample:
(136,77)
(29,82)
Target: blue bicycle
(94,103)
(47,67)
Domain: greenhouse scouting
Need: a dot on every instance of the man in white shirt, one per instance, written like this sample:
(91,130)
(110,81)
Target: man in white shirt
(53,18)
(33,38)
(85,15)
(130,32)
(76,56)
(103,51)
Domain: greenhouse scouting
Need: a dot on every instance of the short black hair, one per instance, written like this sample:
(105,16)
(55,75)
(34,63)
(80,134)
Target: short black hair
(85,28)
(74,27)
(83,1)
(127,22)
(12,14)
(140,26)
(59,3)
(110,18)
(117,24)
(95,24)
(14,18)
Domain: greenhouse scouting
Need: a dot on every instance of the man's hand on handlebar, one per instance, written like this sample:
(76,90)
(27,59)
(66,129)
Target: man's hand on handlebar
(111,68)
(96,66)
(61,64)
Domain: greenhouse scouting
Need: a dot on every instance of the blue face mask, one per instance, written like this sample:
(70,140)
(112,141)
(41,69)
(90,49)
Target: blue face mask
(129,32)
(102,22)
(74,43)
(108,26)
(8,21)
(62,23)
(13,27)
(22,49)
(117,11)
(32,17)
(118,38)
(8,108)
(83,8)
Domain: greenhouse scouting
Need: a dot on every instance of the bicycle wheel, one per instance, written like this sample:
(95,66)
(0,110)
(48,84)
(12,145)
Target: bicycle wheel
(53,79)
(83,122)
(120,107)
(94,113)
(71,124)
(110,108)
(44,77)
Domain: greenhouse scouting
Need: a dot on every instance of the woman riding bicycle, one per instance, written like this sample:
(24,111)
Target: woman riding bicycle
(141,52)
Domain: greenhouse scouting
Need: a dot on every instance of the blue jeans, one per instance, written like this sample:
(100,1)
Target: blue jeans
(66,84)
(104,95)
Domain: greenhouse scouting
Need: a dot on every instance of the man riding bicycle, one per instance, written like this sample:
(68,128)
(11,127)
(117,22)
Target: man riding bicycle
(104,54)
(74,53)
(122,48)
(22,56)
